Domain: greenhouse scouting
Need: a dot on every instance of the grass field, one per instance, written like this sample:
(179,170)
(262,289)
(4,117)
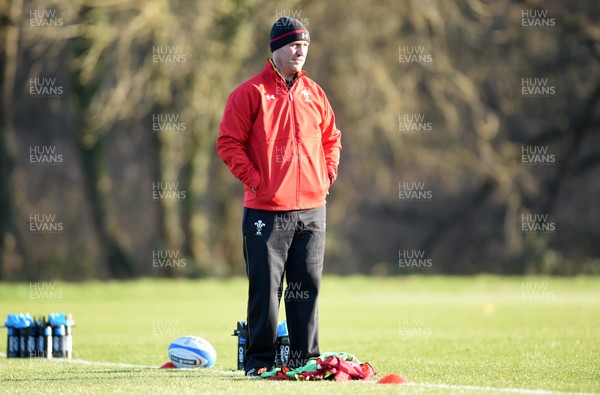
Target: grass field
(521,333)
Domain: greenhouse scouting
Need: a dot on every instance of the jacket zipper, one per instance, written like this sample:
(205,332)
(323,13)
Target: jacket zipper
(296,137)
(295,132)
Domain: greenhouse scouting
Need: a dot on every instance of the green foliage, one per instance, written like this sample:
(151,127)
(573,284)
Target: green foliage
(122,63)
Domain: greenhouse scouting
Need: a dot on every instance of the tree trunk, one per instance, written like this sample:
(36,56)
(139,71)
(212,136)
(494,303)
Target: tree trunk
(90,141)
(11,251)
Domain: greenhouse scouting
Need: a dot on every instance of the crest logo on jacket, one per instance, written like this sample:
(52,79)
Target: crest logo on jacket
(269,97)
(306,95)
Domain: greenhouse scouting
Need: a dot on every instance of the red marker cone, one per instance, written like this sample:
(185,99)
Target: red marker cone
(167,365)
(393,378)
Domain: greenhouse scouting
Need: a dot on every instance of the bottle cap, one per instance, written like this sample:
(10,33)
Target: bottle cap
(57,319)
(12,321)
(18,321)
(282,329)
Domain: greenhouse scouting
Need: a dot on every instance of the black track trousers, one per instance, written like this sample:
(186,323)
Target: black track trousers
(278,243)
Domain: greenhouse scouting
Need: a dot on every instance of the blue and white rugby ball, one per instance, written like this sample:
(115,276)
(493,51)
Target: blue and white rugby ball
(192,352)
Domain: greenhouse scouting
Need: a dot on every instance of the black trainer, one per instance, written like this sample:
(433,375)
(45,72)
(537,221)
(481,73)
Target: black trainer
(254,372)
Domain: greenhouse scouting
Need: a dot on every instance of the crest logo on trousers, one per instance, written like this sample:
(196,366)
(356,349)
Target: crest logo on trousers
(259,225)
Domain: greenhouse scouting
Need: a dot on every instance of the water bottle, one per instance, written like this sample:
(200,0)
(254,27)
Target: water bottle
(282,353)
(29,334)
(68,352)
(30,340)
(12,339)
(58,341)
(12,342)
(41,342)
(25,332)
(242,333)
(48,341)
(39,338)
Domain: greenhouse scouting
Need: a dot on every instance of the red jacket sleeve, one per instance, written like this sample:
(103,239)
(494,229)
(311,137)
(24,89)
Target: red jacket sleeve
(233,138)
(331,139)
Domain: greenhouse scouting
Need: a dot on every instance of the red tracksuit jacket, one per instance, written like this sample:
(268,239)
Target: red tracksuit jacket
(282,144)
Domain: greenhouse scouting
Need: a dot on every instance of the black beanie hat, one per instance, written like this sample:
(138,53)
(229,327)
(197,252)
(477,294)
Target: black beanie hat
(287,30)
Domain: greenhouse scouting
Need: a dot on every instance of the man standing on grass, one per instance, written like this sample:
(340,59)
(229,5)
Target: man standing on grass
(278,137)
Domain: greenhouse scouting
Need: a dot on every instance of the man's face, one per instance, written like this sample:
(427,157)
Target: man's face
(290,58)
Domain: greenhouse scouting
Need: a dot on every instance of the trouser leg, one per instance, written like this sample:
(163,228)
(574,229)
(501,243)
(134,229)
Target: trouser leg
(304,268)
(265,252)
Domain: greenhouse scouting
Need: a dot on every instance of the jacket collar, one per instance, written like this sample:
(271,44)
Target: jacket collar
(273,70)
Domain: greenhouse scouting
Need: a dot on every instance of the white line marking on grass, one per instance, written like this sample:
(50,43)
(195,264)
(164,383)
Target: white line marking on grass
(107,364)
(128,365)
(94,363)
(123,365)
(442,386)
(498,389)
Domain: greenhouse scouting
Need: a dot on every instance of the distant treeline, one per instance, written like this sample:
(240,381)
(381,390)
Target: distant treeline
(470,135)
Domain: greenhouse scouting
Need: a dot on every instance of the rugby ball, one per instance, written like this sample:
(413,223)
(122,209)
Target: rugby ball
(192,352)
